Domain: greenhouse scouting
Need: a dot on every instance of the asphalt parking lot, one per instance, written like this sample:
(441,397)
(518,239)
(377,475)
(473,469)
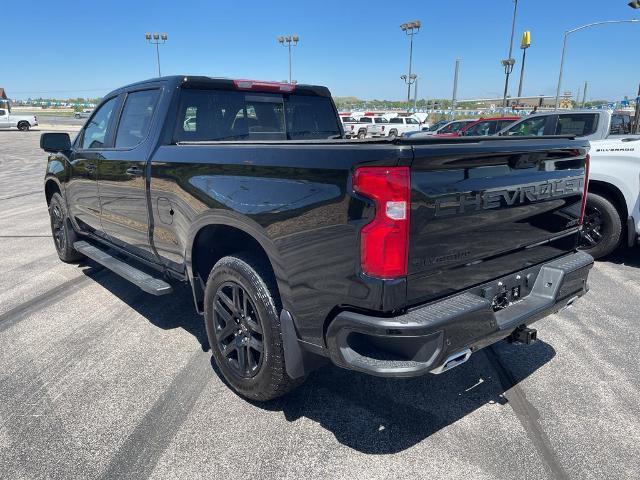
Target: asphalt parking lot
(99,380)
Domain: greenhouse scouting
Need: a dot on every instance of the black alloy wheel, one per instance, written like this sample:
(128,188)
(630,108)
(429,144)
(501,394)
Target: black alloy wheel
(57,228)
(238,330)
(592,227)
(602,226)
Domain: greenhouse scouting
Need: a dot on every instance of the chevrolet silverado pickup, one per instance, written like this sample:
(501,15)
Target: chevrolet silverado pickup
(392,257)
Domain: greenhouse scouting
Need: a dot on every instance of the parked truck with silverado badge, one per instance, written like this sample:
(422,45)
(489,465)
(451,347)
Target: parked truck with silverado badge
(392,257)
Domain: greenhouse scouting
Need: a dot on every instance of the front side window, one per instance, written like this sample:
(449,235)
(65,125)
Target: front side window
(380,120)
(218,115)
(528,127)
(412,121)
(136,118)
(96,130)
(578,124)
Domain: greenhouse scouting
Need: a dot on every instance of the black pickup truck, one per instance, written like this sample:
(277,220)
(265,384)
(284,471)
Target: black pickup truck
(390,257)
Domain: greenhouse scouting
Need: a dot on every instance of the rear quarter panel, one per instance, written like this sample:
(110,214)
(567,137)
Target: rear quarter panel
(293,198)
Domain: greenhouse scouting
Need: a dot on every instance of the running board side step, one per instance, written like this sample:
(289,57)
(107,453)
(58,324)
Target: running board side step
(144,281)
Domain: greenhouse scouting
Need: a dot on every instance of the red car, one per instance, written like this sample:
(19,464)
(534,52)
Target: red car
(482,127)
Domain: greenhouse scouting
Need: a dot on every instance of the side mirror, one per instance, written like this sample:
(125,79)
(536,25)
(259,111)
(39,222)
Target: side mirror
(55,142)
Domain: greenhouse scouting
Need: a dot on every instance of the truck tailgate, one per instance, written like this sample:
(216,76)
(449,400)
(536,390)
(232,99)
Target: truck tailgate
(481,210)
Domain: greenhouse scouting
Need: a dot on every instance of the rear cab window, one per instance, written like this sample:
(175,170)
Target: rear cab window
(229,115)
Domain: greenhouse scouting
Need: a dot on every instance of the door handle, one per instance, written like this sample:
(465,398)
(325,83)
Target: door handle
(134,171)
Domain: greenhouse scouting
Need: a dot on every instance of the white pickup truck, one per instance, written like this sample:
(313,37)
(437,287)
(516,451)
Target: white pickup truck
(21,122)
(364,126)
(584,124)
(612,215)
(398,126)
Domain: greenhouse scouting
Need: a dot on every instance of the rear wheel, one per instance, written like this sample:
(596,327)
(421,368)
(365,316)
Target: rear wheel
(243,327)
(602,228)
(23,126)
(362,134)
(393,134)
(62,231)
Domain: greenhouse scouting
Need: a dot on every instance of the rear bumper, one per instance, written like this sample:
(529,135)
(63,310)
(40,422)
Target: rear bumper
(425,338)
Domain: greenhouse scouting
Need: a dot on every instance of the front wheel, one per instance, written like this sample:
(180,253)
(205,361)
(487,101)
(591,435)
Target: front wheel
(602,227)
(62,231)
(243,327)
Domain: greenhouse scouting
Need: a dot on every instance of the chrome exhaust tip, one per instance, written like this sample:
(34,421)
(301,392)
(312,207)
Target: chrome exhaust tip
(453,361)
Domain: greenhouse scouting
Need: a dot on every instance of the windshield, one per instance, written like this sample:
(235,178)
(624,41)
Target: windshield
(210,115)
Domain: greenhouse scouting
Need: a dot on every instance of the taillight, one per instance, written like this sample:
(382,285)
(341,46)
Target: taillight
(383,128)
(384,242)
(351,127)
(586,188)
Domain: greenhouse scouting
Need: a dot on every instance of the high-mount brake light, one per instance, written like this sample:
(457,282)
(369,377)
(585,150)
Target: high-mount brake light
(384,241)
(583,206)
(263,86)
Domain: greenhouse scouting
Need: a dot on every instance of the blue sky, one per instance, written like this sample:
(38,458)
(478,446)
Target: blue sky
(69,48)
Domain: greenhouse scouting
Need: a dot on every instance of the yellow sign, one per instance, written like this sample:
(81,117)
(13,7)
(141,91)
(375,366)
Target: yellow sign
(526,40)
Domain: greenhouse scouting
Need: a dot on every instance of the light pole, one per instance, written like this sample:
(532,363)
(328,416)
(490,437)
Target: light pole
(156,39)
(454,99)
(509,62)
(524,44)
(289,41)
(411,29)
(564,47)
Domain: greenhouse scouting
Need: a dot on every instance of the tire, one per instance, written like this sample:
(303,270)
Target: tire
(362,134)
(62,231)
(602,228)
(242,320)
(24,126)
(393,134)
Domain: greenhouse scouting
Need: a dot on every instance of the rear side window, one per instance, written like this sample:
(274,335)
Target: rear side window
(578,124)
(380,120)
(219,115)
(136,118)
(396,120)
(366,120)
(620,124)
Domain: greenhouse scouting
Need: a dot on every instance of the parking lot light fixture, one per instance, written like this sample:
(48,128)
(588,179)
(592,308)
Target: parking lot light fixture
(411,29)
(564,47)
(508,63)
(289,41)
(156,39)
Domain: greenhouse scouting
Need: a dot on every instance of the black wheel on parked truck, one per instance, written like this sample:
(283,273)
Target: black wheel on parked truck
(393,134)
(62,231)
(23,126)
(602,228)
(362,134)
(243,326)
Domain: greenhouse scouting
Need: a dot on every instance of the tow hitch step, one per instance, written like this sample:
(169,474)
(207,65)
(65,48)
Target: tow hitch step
(523,334)
(144,281)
